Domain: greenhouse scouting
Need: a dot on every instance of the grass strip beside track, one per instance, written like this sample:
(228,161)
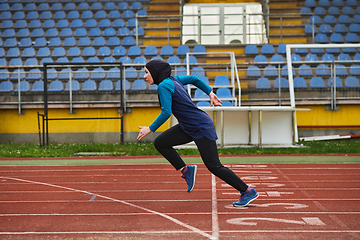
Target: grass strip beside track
(188,160)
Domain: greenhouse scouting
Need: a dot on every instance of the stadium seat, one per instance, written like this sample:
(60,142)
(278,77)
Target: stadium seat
(95,32)
(315,19)
(344,19)
(267,49)
(277,58)
(328,57)
(114,73)
(104,52)
(139,85)
(333,10)
(28,53)
(319,11)
(140,31)
(134,51)
(98,74)
(95,60)
(354,28)
(51,33)
(38,86)
(253,72)
(31,62)
(166,51)
(123,32)
(284,71)
(355,70)
(24,86)
(54,42)
(74,52)
(21,24)
(46,15)
(6,86)
(69,6)
(109,32)
(69,42)
(73,15)
(341,70)
(348,10)
(204,104)
(282,49)
(84,42)
(80,32)
(49,24)
(338,82)
(86,15)
(62,60)
(325,28)
(173,59)
(224,93)
(62,23)
(263,83)
(16,62)
(338,3)
(180,71)
(105,23)
(324,3)
(311,58)
(305,10)
(352,3)
(4,74)
(96,6)
(65,74)
(75,86)
(142,13)
(300,51)
(59,15)
(198,71)
(114,14)
(344,57)
(18,15)
(77,23)
(305,71)
(323,70)
(321,38)
(251,49)
(13,53)
(99,42)
(199,49)
(192,59)
(221,80)
(317,50)
(350,82)
(131,73)
(118,23)
(100,14)
(283,83)
(299,82)
(140,60)
(199,94)
(182,50)
(46,60)
(106,85)
(330,19)
(128,41)
(54,7)
(270,72)
(58,52)
(89,52)
(310,3)
(119,51)
(357,56)
(77,60)
(260,59)
(125,60)
(126,85)
(66,32)
(356,19)
(127,14)
(352,38)
(89,86)
(150,51)
(317,82)
(82,74)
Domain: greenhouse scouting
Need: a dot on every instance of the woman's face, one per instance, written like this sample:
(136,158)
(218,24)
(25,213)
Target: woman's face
(148,77)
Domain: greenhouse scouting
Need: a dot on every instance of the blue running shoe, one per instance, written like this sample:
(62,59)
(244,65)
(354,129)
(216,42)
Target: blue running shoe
(246,198)
(190,177)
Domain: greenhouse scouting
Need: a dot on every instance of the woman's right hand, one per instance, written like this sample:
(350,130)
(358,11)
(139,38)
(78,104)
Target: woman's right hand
(214,100)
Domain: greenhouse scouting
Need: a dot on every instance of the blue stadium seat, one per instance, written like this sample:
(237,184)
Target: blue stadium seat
(28,53)
(59,15)
(192,59)
(182,50)
(321,38)
(54,42)
(113,41)
(282,49)
(19,15)
(311,58)
(260,59)
(104,52)
(330,19)
(18,73)
(123,32)
(139,85)
(23,33)
(317,82)
(98,74)
(21,24)
(277,58)
(95,32)
(31,62)
(270,72)
(333,10)
(352,3)
(89,52)
(300,51)
(310,3)
(328,57)
(9,33)
(221,80)
(16,62)
(75,86)
(263,83)
(344,19)
(140,60)
(105,23)
(199,49)
(70,6)
(114,73)
(46,60)
(323,70)
(283,83)
(357,56)
(6,86)
(338,3)
(173,59)
(131,73)
(5,16)
(299,82)
(316,19)
(32,16)
(324,3)
(80,32)
(325,28)
(100,14)
(251,49)
(198,71)
(2,53)
(305,10)
(119,51)
(109,32)
(341,70)
(199,94)
(77,60)
(338,82)
(142,13)
(65,74)
(348,10)
(333,50)
(17,7)
(86,15)
(204,79)
(128,41)
(13,53)
(135,6)
(118,23)
(356,19)
(344,57)
(305,71)
(73,15)
(94,60)
(125,60)
(82,74)
(319,11)
(180,71)
(354,28)
(54,7)
(58,52)
(99,42)
(24,86)
(203,104)
(109,6)
(84,42)
(89,86)
(38,86)
(46,15)
(62,23)
(7,24)
(284,71)
(74,52)
(76,23)
(357,10)
(69,42)
(267,49)
(350,82)
(106,85)
(355,70)
(166,51)
(114,14)
(4,74)
(150,51)
(66,32)
(352,38)
(127,14)
(224,93)
(62,60)
(52,33)
(49,24)
(140,31)
(96,6)
(253,72)
(123,6)
(134,51)
(126,85)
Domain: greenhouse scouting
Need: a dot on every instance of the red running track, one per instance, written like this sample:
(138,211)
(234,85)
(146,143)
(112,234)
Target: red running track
(297,201)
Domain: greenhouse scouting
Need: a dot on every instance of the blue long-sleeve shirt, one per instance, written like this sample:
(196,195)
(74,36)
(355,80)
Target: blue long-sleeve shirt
(174,99)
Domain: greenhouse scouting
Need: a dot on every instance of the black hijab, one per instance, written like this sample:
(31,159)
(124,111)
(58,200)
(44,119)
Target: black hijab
(159,70)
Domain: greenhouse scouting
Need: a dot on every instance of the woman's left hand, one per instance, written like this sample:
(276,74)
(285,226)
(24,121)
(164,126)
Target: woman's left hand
(144,131)
(214,100)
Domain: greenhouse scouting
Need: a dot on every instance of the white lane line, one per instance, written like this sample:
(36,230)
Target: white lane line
(313,221)
(196,230)
(214,211)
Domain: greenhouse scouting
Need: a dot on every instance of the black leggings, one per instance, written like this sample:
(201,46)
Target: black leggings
(208,150)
